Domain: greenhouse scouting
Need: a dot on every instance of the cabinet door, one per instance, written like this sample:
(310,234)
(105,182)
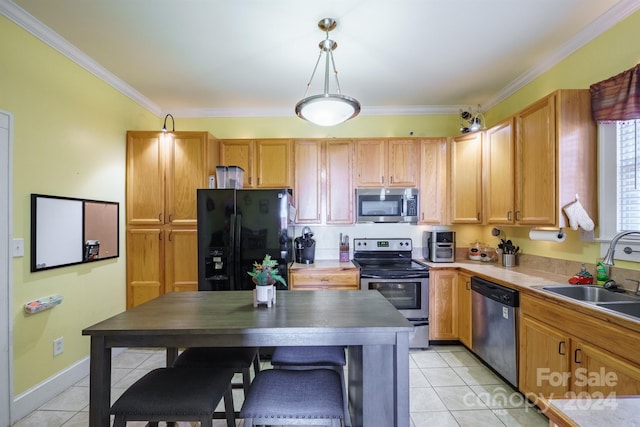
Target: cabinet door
(403,163)
(536,164)
(433,181)
(186,172)
(443,303)
(602,374)
(500,174)
(239,153)
(181,260)
(370,161)
(466,179)
(464,309)
(544,359)
(145,178)
(145,255)
(273,163)
(307,181)
(339,187)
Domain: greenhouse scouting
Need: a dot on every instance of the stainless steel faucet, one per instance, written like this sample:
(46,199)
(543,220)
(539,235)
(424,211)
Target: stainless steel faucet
(608,257)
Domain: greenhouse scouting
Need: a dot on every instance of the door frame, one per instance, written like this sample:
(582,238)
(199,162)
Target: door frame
(6,265)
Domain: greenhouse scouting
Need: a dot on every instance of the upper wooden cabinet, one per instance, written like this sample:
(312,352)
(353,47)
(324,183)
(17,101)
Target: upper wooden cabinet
(323,190)
(499,173)
(555,158)
(433,181)
(163,172)
(266,162)
(386,163)
(466,178)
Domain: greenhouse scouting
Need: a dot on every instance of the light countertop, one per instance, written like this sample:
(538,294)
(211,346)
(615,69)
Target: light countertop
(605,411)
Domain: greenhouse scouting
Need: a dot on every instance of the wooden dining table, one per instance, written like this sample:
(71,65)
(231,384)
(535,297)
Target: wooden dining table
(376,334)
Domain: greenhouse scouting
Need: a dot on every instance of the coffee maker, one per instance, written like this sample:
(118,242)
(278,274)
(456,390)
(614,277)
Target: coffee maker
(305,247)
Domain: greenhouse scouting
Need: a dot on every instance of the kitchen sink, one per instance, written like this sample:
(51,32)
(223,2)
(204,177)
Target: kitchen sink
(594,294)
(629,308)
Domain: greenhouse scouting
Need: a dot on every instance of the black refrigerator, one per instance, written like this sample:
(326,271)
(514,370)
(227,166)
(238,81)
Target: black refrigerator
(237,228)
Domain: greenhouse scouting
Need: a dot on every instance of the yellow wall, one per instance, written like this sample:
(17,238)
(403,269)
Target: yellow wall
(69,140)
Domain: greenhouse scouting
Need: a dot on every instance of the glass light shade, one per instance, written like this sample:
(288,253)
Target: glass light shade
(327,109)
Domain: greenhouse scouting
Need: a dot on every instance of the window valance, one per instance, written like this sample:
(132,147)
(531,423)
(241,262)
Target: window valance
(618,97)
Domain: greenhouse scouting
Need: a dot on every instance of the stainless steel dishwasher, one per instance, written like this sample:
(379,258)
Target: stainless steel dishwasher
(494,327)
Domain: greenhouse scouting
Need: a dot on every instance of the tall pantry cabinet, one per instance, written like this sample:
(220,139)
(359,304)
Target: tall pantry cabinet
(164,170)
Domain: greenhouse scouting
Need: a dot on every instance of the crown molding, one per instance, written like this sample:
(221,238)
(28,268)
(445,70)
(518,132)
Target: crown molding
(607,20)
(23,19)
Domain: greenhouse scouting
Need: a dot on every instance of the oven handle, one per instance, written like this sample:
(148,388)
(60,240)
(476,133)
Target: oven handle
(404,276)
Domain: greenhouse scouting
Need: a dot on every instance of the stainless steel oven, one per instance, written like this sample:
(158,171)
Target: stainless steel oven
(386,266)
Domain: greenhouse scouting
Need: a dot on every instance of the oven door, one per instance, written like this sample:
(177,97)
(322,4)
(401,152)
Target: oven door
(409,295)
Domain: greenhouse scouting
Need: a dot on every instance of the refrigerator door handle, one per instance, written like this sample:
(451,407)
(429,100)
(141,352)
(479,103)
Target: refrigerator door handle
(236,282)
(232,253)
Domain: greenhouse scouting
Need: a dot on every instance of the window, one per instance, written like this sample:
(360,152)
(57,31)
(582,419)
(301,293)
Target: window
(619,183)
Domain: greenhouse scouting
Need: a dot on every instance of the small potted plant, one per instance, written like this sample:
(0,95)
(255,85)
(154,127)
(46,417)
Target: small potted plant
(265,275)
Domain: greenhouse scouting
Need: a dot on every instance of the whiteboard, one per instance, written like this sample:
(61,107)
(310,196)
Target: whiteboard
(59,229)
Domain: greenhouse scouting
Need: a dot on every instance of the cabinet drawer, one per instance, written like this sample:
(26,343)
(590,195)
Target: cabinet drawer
(344,280)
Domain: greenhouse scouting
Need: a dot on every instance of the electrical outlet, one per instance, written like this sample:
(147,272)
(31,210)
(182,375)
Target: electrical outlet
(58,346)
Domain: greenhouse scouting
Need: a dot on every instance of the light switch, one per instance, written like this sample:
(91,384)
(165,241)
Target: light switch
(18,248)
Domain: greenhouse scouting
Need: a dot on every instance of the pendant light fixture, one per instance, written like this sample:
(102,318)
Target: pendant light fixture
(327,109)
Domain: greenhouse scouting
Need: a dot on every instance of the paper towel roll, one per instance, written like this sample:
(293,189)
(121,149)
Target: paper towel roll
(547,235)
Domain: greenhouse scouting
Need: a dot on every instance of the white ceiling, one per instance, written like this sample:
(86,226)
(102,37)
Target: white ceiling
(209,58)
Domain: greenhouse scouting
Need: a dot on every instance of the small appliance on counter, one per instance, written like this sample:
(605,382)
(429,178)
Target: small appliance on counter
(305,247)
(439,246)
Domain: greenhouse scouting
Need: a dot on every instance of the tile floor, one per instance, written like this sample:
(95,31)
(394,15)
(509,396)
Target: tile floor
(449,387)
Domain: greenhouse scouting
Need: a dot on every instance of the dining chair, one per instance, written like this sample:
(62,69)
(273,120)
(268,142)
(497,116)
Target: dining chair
(176,394)
(315,357)
(241,359)
(288,397)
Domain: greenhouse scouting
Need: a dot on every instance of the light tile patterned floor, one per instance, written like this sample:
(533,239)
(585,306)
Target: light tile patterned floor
(449,387)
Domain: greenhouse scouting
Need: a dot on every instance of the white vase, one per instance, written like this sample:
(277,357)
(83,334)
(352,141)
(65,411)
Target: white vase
(264,293)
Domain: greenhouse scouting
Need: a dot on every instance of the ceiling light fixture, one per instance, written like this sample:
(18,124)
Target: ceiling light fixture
(470,122)
(327,109)
(173,123)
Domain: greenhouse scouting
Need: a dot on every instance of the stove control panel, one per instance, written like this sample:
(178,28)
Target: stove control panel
(383,245)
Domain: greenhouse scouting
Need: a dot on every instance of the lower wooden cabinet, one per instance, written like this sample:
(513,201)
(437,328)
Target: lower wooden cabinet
(160,260)
(324,278)
(567,353)
(443,304)
(464,309)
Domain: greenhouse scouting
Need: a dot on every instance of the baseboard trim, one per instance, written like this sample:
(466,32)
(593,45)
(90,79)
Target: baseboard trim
(35,397)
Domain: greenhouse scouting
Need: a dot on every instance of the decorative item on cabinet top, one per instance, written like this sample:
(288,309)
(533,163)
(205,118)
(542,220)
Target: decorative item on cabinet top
(471,122)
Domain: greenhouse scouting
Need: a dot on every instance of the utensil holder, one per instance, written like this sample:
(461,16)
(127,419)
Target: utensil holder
(509,260)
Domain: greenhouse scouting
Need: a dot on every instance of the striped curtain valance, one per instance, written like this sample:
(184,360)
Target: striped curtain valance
(618,97)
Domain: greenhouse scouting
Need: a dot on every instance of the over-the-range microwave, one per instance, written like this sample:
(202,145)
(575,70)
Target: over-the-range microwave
(387,205)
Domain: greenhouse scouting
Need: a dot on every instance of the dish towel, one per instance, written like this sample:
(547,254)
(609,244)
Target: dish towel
(578,217)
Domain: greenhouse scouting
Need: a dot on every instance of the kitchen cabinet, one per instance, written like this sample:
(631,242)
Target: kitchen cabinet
(267,163)
(164,170)
(318,278)
(564,352)
(433,181)
(555,158)
(386,163)
(443,304)
(338,188)
(323,189)
(499,173)
(307,182)
(466,178)
(464,309)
